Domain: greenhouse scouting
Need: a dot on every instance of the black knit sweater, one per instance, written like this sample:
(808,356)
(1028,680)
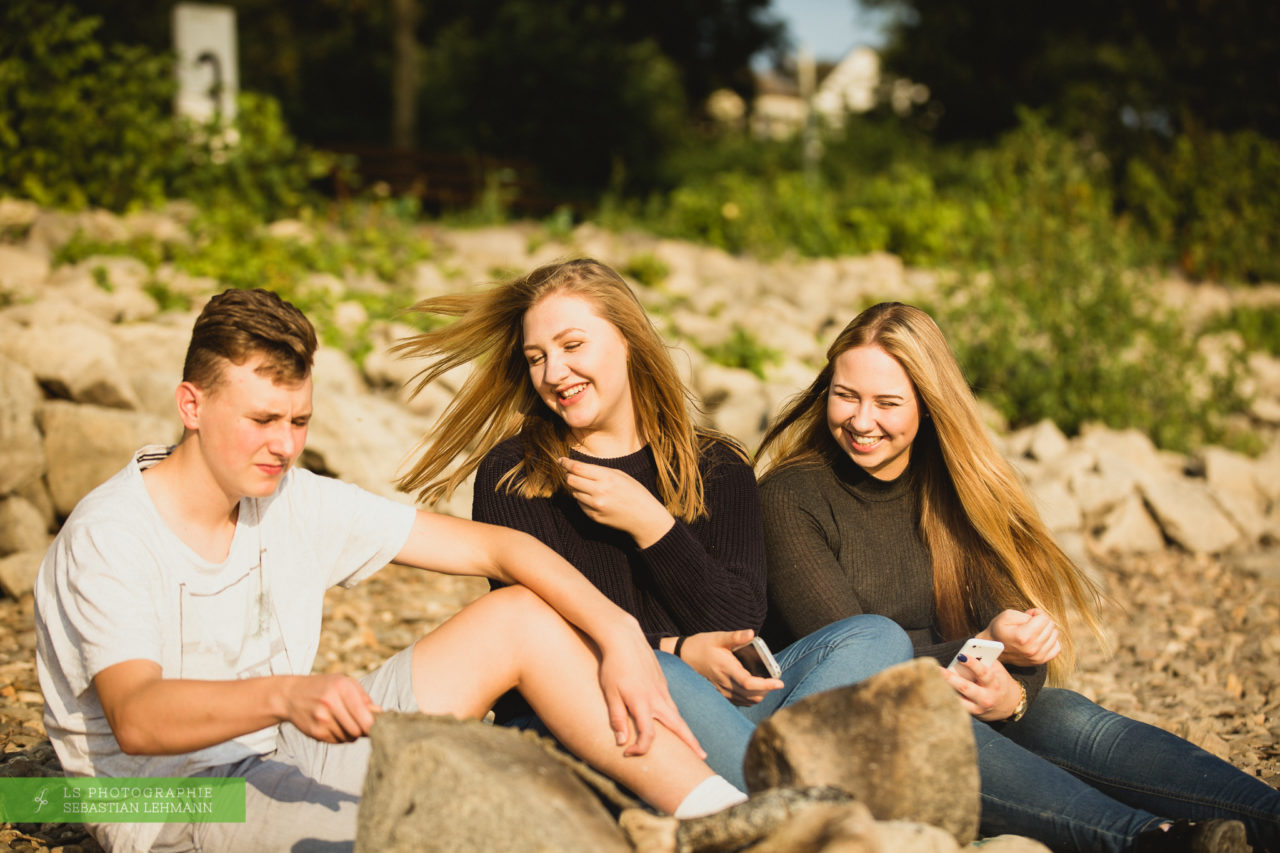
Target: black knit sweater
(840,542)
(704,575)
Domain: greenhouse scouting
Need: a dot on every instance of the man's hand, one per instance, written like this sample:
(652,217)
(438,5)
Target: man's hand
(988,692)
(636,694)
(618,500)
(1029,638)
(329,708)
(711,654)
(152,715)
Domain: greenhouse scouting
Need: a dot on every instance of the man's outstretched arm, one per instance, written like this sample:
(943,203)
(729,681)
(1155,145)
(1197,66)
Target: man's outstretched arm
(151,715)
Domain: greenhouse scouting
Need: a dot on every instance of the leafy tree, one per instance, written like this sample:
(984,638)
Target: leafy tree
(1132,67)
(87,123)
(556,86)
(593,92)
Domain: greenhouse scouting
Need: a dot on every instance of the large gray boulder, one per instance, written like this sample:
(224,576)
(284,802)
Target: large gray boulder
(736,401)
(110,287)
(21,448)
(17,213)
(22,526)
(73,361)
(1097,494)
(1045,442)
(150,356)
(21,271)
(86,445)
(363,438)
(1188,514)
(436,783)
(1058,507)
(1130,529)
(899,742)
(18,572)
(1267,472)
(1226,470)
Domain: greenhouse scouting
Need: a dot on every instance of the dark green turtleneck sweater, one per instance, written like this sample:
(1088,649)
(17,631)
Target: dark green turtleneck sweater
(839,542)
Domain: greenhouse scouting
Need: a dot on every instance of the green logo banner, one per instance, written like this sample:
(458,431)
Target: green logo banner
(144,800)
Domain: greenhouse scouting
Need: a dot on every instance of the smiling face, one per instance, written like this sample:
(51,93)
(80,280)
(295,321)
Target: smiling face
(578,366)
(873,411)
(251,429)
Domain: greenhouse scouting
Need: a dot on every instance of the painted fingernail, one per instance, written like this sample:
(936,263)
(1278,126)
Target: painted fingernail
(963,658)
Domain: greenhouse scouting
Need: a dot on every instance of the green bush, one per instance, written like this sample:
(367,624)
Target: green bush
(911,217)
(647,268)
(743,350)
(80,123)
(86,124)
(1258,327)
(1213,203)
(1050,320)
(747,214)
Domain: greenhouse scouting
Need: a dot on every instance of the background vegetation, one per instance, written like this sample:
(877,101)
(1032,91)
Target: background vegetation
(1058,168)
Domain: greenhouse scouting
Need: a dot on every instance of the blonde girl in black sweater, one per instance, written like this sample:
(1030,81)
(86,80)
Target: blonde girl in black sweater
(582,434)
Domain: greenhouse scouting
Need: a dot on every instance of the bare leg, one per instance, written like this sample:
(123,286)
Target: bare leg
(511,638)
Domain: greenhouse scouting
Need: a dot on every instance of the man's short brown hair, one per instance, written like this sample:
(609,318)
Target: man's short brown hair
(238,324)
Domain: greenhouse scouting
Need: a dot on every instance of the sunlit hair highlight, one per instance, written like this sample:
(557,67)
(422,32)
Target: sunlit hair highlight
(982,530)
(499,400)
(236,325)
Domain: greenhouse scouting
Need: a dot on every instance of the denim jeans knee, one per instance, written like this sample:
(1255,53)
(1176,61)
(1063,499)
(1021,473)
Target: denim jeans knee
(836,655)
(720,727)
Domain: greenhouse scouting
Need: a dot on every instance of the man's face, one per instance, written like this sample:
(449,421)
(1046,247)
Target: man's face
(252,429)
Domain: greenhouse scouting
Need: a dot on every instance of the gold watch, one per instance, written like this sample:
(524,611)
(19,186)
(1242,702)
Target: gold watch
(1022,706)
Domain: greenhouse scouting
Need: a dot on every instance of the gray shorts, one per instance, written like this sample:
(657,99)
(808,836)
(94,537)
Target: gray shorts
(302,797)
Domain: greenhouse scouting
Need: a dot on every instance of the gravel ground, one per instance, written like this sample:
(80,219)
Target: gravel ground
(1194,647)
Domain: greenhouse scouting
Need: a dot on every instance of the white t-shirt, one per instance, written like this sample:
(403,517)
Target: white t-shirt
(117,584)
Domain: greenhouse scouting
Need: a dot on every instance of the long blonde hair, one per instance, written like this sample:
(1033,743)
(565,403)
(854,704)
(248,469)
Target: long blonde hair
(982,530)
(499,400)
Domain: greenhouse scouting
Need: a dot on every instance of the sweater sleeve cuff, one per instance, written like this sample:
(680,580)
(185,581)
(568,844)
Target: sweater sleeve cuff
(671,548)
(1030,677)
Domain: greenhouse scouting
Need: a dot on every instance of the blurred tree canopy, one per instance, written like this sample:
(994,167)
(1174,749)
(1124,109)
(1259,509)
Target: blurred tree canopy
(590,91)
(1122,70)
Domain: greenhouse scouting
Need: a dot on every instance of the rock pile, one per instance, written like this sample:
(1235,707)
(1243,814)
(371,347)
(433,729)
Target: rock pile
(89,361)
(467,786)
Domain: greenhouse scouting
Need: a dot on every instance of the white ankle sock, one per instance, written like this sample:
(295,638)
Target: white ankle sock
(711,795)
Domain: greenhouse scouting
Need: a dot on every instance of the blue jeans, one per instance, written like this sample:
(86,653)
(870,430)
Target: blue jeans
(841,653)
(1076,776)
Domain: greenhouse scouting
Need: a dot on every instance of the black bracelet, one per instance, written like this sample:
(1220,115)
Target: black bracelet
(679,643)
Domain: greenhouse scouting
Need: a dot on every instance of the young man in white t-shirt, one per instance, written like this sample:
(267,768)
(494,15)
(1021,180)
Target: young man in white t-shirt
(178,615)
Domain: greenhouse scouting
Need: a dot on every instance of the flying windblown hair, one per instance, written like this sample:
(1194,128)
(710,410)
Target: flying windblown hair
(499,401)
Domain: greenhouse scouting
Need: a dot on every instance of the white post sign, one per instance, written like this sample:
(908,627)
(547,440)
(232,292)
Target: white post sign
(204,37)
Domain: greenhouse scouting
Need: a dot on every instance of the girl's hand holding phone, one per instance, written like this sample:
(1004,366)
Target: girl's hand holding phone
(986,689)
(711,654)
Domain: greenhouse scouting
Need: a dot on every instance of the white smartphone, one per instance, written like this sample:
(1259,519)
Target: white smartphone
(975,649)
(757,659)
